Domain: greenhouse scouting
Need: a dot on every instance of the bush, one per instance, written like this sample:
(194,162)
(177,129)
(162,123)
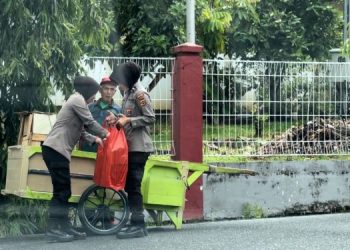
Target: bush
(252,211)
(20,216)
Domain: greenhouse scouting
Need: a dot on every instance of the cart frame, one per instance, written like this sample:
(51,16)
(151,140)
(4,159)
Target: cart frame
(163,187)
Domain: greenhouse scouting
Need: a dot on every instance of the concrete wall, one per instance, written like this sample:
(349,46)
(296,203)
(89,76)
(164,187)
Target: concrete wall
(280,188)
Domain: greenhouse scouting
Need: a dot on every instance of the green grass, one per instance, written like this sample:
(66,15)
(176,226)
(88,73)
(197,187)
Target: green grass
(241,159)
(234,131)
(162,132)
(237,132)
(161,136)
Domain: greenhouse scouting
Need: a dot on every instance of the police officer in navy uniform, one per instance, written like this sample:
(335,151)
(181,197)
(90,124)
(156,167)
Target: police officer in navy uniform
(137,116)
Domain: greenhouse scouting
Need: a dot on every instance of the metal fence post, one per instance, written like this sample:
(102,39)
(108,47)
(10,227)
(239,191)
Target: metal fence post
(188,117)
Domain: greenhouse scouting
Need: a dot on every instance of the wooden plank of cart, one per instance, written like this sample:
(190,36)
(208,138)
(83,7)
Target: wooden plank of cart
(103,210)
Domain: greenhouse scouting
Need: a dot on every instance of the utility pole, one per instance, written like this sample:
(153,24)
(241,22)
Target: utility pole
(346,19)
(190,21)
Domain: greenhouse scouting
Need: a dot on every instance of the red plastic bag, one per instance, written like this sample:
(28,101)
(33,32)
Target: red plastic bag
(112,161)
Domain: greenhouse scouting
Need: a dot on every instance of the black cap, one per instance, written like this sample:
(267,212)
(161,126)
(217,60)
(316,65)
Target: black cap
(86,86)
(126,73)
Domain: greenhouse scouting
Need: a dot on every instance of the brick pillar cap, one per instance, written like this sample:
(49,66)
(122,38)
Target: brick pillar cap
(187,48)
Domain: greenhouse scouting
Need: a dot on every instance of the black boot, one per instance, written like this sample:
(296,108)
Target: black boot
(54,234)
(132,231)
(76,234)
(68,228)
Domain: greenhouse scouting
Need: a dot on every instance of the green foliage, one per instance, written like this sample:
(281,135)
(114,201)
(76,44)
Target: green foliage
(149,28)
(213,22)
(155,45)
(217,18)
(277,30)
(280,30)
(22,216)
(252,211)
(270,30)
(41,45)
(287,30)
(152,28)
(97,28)
(322,24)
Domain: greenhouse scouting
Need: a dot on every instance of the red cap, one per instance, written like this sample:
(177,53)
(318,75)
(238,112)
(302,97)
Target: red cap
(105,80)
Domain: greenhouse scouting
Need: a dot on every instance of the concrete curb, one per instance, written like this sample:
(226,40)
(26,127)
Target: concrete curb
(280,189)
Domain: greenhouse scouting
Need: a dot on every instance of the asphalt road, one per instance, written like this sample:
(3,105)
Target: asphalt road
(304,232)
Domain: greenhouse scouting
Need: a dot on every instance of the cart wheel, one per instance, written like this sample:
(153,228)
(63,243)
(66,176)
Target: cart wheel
(102,210)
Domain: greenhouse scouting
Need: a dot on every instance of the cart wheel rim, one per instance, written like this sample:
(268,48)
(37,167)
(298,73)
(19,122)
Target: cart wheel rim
(103,210)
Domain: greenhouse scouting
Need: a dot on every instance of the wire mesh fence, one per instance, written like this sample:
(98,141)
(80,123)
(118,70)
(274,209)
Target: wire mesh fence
(156,78)
(253,108)
(260,108)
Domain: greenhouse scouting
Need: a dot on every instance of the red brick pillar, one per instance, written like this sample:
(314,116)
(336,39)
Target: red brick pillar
(187,118)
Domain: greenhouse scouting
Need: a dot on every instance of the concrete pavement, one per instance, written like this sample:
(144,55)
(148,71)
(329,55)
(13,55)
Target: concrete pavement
(304,232)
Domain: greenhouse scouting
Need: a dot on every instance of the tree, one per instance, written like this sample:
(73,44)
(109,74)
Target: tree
(41,45)
(149,28)
(287,30)
(270,30)
(216,18)
(152,28)
(291,30)
(273,30)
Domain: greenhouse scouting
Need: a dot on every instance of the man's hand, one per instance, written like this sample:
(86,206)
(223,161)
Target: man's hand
(122,121)
(111,119)
(99,141)
(107,135)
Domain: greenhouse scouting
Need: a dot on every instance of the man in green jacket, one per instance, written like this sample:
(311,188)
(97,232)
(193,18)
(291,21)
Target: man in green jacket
(102,108)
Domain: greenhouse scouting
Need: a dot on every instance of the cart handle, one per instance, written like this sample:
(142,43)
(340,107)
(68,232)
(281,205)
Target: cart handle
(228,170)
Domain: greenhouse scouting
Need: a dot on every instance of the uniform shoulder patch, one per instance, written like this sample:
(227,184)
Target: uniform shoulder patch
(140,97)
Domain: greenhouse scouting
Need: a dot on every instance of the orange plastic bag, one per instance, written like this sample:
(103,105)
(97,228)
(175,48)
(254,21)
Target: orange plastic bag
(112,161)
